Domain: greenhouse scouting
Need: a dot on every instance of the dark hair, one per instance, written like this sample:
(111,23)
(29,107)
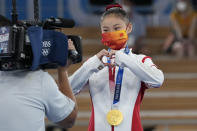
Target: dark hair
(117,11)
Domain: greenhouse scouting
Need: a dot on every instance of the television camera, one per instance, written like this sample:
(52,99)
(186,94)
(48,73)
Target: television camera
(16,47)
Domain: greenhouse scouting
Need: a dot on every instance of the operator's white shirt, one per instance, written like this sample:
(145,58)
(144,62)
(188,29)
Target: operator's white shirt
(26,97)
(139,73)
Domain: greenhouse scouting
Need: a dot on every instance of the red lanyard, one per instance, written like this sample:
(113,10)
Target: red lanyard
(112,78)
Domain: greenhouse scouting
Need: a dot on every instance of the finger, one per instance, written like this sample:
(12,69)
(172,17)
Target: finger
(70,42)
(105,52)
(113,51)
(113,64)
(71,45)
(102,53)
(106,64)
(111,55)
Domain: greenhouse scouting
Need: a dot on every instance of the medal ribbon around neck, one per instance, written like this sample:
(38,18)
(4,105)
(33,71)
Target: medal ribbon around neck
(118,84)
(115,116)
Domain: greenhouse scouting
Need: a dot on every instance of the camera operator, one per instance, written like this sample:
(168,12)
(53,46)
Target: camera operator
(27,96)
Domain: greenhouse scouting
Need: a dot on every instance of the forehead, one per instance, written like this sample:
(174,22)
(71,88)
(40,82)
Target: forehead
(111,20)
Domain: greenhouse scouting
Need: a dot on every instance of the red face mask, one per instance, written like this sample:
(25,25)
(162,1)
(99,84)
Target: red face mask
(115,40)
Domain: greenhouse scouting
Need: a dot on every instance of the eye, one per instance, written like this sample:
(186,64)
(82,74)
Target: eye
(105,30)
(117,28)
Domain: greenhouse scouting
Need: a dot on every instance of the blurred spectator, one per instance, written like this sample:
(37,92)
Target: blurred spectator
(183,23)
(138,29)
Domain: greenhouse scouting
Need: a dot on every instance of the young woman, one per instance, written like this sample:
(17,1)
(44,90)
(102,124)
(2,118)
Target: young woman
(116,78)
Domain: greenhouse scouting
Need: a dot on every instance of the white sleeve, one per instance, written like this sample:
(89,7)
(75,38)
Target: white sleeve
(80,78)
(57,105)
(142,67)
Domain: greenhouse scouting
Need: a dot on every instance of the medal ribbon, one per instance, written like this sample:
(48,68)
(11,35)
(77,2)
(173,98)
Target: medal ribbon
(118,84)
(111,75)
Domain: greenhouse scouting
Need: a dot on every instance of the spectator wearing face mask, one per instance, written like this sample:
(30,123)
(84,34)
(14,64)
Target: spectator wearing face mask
(180,41)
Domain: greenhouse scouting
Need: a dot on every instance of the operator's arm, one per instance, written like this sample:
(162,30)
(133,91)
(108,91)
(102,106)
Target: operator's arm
(142,67)
(59,102)
(65,88)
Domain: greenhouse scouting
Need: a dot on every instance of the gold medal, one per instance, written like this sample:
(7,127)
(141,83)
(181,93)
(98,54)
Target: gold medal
(114,117)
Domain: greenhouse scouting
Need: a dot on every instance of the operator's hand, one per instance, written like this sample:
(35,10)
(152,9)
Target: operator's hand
(71,45)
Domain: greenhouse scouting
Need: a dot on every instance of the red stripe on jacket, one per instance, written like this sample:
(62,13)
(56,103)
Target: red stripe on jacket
(91,122)
(136,121)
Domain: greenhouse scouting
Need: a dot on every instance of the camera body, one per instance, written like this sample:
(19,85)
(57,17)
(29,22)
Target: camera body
(15,50)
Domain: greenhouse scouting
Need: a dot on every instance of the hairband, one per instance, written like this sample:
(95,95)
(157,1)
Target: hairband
(112,6)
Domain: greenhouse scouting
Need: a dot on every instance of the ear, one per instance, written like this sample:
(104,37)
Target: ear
(129,28)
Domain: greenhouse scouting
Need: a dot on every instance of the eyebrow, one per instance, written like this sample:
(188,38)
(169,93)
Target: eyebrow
(116,25)
(105,27)
(113,26)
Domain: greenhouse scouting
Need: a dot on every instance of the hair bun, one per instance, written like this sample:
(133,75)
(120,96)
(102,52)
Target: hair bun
(116,5)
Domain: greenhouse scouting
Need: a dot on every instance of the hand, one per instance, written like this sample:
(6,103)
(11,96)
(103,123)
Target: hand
(112,52)
(71,45)
(112,56)
(102,53)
